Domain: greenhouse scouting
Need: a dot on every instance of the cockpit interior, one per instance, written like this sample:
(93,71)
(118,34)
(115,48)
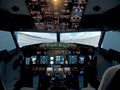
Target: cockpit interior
(59,44)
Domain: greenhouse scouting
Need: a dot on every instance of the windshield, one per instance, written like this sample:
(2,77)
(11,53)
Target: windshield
(88,38)
(29,38)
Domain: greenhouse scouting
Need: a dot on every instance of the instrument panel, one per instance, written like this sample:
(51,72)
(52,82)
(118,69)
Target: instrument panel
(48,54)
(60,62)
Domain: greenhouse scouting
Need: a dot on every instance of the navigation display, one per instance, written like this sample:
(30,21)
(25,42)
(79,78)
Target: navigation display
(43,59)
(59,59)
(72,59)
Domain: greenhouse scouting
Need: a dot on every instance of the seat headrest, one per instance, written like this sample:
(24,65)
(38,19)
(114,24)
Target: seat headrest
(110,79)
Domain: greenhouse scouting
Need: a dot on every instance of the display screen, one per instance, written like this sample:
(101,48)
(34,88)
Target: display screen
(90,57)
(52,58)
(72,59)
(43,59)
(34,59)
(81,59)
(27,60)
(59,59)
(49,70)
(66,69)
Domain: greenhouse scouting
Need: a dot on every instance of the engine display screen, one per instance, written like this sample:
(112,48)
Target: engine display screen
(59,59)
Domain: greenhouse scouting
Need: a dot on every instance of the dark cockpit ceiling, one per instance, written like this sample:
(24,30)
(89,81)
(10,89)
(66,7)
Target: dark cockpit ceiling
(59,15)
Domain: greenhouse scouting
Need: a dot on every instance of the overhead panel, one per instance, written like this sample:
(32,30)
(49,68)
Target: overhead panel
(56,15)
